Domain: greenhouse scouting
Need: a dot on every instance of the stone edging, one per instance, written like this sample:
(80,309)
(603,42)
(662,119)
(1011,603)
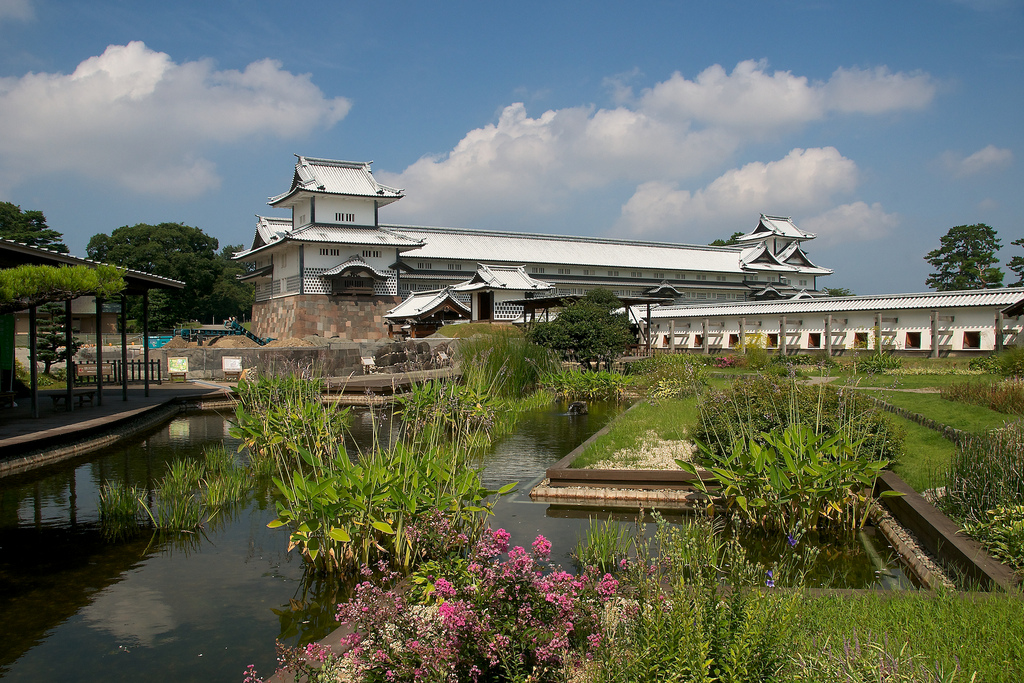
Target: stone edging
(957,436)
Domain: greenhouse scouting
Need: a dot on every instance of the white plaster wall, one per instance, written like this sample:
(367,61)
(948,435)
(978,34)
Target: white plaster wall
(328,206)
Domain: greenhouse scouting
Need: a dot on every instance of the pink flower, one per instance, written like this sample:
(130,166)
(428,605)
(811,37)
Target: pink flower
(542,548)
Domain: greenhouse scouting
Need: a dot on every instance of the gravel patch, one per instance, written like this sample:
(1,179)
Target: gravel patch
(653,454)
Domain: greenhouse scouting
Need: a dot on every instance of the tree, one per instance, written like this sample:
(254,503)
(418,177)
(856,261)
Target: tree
(588,329)
(965,259)
(1016,265)
(29,227)
(183,253)
(837,291)
(51,342)
(27,285)
(733,239)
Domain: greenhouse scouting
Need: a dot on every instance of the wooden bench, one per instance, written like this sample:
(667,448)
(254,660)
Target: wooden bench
(82,395)
(6,399)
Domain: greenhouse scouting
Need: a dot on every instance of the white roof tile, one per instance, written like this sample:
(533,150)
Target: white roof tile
(330,176)
(416,304)
(501,277)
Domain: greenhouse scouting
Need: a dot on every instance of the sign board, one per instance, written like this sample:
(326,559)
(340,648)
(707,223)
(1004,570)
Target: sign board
(231,363)
(175,365)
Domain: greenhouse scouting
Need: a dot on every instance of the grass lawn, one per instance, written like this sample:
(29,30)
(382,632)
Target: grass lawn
(669,419)
(963,416)
(926,456)
(984,633)
(909,381)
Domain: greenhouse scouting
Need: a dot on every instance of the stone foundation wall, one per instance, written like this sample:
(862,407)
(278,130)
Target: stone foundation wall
(359,318)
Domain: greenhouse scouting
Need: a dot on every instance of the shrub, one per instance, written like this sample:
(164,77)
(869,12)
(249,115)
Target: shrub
(988,364)
(1011,362)
(877,363)
(1001,531)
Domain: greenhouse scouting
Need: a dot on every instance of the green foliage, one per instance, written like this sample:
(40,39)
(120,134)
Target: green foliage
(51,339)
(733,240)
(580,385)
(1016,265)
(837,292)
(180,252)
(455,409)
(1001,531)
(1004,396)
(26,285)
(1011,362)
(29,227)
(667,419)
(678,368)
(503,363)
(343,513)
(120,511)
(966,259)
(758,405)
(986,473)
(878,362)
(867,661)
(587,330)
(798,479)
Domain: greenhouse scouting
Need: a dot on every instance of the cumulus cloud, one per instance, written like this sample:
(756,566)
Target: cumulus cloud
(990,158)
(804,178)
(675,130)
(856,222)
(20,10)
(135,116)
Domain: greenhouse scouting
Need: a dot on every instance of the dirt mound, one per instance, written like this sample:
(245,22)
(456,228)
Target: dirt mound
(288,342)
(235,342)
(179,343)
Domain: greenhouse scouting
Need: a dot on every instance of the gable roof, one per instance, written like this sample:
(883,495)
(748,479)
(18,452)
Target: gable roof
(336,177)
(512,278)
(426,304)
(779,226)
(354,266)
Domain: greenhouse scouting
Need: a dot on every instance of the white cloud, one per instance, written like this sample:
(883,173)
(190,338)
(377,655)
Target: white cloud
(802,179)
(20,10)
(676,130)
(990,158)
(856,222)
(135,116)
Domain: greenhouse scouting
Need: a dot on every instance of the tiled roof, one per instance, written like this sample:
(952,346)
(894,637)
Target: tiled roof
(425,303)
(354,264)
(330,176)
(886,302)
(781,226)
(487,246)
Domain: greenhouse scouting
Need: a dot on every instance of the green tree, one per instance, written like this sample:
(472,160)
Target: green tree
(588,329)
(733,240)
(51,339)
(837,291)
(183,253)
(29,227)
(1016,265)
(966,259)
(27,285)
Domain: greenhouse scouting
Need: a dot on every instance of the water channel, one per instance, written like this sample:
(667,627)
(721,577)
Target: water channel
(76,607)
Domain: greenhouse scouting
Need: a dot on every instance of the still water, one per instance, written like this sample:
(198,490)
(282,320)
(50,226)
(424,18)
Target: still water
(78,608)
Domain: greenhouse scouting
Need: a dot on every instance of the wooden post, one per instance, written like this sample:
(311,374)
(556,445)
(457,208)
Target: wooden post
(878,331)
(648,329)
(69,365)
(743,335)
(124,347)
(782,336)
(828,335)
(672,335)
(935,335)
(705,347)
(33,372)
(99,351)
(999,331)
(145,341)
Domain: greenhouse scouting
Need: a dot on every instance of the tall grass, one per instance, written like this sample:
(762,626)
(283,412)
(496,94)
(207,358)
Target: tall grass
(986,472)
(120,511)
(503,363)
(575,384)
(1004,396)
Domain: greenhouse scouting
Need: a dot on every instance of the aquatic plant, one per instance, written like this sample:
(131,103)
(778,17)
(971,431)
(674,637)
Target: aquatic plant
(120,511)
(985,473)
(503,363)
(605,545)
(574,384)
(1002,533)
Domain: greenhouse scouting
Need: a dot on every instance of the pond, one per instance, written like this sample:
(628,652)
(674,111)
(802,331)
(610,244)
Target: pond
(78,608)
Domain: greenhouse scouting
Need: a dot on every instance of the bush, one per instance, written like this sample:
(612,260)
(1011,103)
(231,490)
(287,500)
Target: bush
(765,404)
(986,473)
(1011,362)
(877,363)
(1002,533)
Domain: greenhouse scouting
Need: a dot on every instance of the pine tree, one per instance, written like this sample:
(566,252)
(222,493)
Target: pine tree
(1016,265)
(51,337)
(966,259)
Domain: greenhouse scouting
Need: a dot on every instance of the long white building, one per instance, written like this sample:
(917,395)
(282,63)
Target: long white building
(333,269)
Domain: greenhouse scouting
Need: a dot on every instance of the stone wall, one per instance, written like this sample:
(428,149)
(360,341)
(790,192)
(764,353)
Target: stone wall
(354,318)
(337,359)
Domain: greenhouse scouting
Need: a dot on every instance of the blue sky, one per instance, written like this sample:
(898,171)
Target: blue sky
(877,125)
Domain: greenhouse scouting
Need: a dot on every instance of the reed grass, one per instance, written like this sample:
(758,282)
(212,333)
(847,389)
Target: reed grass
(121,510)
(986,472)
(1003,396)
(605,544)
(503,364)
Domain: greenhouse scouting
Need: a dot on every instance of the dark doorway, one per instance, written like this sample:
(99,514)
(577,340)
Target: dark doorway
(486,305)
